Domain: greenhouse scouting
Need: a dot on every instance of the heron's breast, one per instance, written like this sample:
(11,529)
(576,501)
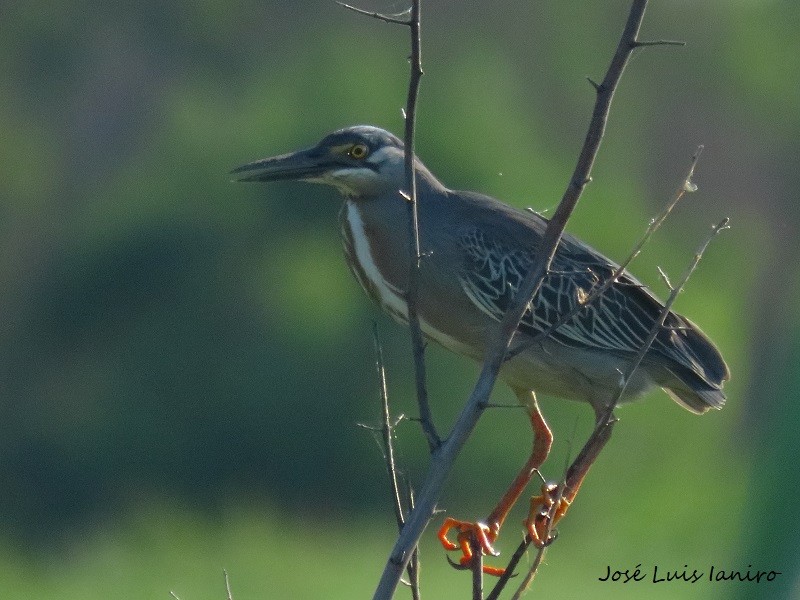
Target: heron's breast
(379,262)
(364,253)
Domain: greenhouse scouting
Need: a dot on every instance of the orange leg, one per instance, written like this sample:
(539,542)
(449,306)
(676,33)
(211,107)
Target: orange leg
(547,509)
(486,532)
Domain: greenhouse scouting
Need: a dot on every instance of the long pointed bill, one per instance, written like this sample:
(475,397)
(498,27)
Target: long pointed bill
(304,164)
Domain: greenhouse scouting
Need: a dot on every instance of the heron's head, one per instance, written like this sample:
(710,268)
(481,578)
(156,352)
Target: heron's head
(359,161)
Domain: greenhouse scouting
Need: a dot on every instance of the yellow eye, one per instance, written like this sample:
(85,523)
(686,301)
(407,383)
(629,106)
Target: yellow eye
(359,151)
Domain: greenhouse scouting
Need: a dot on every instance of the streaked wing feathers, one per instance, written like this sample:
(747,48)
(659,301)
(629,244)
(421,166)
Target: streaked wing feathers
(617,321)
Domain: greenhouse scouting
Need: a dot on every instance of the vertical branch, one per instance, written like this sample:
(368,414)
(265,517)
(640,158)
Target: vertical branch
(443,460)
(410,195)
(414,564)
(477,569)
(415,256)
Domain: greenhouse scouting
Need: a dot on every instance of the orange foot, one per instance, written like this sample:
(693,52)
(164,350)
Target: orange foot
(544,514)
(467,531)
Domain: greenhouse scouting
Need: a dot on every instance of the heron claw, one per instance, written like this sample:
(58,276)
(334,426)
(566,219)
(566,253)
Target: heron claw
(546,510)
(467,531)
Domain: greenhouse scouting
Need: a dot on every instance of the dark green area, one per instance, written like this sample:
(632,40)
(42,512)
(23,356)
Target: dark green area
(167,335)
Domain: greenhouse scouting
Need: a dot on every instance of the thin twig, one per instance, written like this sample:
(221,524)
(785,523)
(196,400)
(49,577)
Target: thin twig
(387,431)
(414,563)
(525,584)
(503,580)
(410,196)
(443,459)
(685,186)
(715,230)
(639,44)
(387,434)
(229,594)
(375,15)
(602,431)
(416,255)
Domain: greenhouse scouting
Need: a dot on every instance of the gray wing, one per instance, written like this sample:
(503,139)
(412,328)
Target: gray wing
(617,321)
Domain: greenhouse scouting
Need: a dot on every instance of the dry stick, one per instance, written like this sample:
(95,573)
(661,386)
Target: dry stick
(599,436)
(597,291)
(410,195)
(475,566)
(387,430)
(228,593)
(395,19)
(415,256)
(512,564)
(412,294)
(477,571)
(413,565)
(591,446)
(443,459)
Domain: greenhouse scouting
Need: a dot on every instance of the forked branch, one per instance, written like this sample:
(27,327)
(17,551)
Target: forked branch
(602,431)
(685,187)
(443,459)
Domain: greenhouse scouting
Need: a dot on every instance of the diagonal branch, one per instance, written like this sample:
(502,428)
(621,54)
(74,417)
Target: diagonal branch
(375,15)
(228,592)
(444,458)
(602,430)
(598,290)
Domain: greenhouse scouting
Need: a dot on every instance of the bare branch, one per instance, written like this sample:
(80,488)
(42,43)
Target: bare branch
(537,561)
(443,459)
(228,593)
(416,255)
(387,431)
(413,565)
(638,44)
(410,195)
(602,431)
(477,570)
(637,360)
(375,15)
(387,436)
(665,279)
(503,580)
(598,290)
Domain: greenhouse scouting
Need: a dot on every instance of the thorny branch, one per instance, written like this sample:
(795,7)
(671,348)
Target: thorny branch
(387,435)
(598,290)
(410,195)
(602,433)
(444,458)
(501,350)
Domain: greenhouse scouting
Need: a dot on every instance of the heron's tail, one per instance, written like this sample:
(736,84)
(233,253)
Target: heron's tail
(697,384)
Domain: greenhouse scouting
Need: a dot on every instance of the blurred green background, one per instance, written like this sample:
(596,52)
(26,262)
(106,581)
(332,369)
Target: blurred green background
(183,361)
